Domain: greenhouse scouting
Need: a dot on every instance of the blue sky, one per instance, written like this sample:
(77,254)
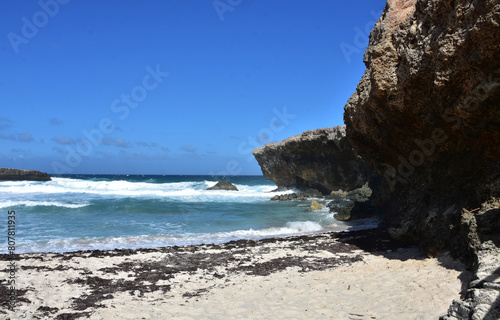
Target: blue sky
(172,87)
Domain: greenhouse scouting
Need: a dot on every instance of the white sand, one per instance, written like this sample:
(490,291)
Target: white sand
(399,285)
(377,288)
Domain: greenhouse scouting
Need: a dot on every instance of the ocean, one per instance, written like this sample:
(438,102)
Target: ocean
(105,212)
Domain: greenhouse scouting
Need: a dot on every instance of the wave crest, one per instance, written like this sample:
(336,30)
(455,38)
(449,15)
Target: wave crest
(193,191)
(30,203)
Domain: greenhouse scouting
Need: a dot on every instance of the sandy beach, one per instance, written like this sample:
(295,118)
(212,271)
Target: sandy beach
(354,275)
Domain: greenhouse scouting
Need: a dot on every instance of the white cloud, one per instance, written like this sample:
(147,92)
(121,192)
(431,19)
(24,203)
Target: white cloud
(64,140)
(21,137)
(55,122)
(117,142)
(189,149)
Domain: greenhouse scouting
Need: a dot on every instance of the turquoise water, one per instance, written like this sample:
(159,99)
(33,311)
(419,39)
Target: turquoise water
(81,212)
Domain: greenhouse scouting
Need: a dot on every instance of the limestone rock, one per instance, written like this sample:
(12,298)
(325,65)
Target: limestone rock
(315,206)
(342,209)
(426,115)
(352,205)
(21,174)
(337,194)
(223,185)
(322,159)
(483,296)
(284,197)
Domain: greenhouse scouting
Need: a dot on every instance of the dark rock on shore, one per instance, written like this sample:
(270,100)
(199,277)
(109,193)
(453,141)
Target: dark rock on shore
(224,185)
(307,194)
(482,297)
(21,175)
(343,203)
(355,204)
(322,159)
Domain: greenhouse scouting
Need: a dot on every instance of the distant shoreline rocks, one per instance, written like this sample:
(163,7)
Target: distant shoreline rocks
(223,185)
(347,205)
(7,174)
(305,195)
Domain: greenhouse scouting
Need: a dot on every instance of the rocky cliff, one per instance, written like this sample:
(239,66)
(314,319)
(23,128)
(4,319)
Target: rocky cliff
(321,159)
(426,117)
(426,114)
(19,174)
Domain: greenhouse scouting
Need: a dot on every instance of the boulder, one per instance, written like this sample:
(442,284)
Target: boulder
(223,185)
(21,174)
(352,205)
(322,159)
(309,193)
(315,206)
(284,197)
(341,208)
(337,194)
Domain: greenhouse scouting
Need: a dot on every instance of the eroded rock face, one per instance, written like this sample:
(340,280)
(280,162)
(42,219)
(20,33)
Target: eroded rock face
(20,174)
(322,159)
(426,114)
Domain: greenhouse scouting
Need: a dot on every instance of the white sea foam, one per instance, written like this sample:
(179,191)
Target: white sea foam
(30,203)
(160,240)
(291,228)
(181,191)
(157,220)
(152,241)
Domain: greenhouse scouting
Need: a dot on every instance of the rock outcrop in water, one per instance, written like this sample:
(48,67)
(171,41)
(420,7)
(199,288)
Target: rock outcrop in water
(224,185)
(20,175)
(304,195)
(426,114)
(320,159)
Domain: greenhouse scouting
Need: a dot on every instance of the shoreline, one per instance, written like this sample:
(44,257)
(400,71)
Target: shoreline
(357,225)
(209,280)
